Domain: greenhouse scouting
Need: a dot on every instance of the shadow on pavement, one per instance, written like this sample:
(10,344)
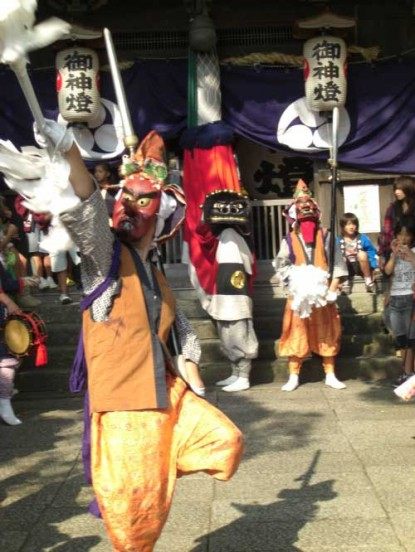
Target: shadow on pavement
(276,526)
(37,459)
(276,426)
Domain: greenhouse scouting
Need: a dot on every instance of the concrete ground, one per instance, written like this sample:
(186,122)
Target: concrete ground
(324,470)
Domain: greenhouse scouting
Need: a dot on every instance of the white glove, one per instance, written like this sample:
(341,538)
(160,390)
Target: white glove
(59,136)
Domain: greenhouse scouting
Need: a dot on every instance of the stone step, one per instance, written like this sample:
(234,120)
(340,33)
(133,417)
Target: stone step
(363,312)
(55,380)
(266,303)
(61,354)
(55,313)
(269,327)
(358,330)
(351,346)
(61,346)
(266,371)
(177,274)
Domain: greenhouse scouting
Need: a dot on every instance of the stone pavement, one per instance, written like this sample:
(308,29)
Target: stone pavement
(324,470)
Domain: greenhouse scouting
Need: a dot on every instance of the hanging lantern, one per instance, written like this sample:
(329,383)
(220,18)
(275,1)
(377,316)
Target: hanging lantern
(77,82)
(202,34)
(325,72)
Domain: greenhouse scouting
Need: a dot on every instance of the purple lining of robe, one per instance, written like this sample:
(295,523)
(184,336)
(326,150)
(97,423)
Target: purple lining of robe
(78,377)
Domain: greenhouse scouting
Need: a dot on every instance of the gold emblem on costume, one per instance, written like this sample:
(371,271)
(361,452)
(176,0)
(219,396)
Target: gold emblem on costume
(238,279)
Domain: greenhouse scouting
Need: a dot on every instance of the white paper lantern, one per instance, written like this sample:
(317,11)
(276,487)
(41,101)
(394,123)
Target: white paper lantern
(325,72)
(77,82)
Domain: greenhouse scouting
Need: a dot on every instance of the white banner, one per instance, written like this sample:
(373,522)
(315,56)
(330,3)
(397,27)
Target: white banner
(363,201)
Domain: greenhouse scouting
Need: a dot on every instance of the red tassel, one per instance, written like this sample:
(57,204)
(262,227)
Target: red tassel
(41,357)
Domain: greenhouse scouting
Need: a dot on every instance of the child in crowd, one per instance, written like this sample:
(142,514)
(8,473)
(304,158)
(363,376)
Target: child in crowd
(106,182)
(401,269)
(8,365)
(358,252)
(36,226)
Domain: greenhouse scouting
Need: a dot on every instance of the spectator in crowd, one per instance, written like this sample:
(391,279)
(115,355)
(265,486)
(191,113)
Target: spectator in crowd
(106,182)
(19,240)
(401,269)
(12,269)
(36,227)
(8,363)
(399,212)
(8,233)
(358,252)
(59,263)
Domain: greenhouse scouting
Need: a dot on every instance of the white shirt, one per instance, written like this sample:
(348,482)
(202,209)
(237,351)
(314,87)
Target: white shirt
(403,277)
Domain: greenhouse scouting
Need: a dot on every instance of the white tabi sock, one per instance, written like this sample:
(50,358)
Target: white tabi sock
(292,383)
(333,382)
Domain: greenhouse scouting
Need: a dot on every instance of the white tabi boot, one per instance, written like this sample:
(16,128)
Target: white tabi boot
(231,379)
(333,382)
(227,381)
(239,384)
(7,414)
(292,383)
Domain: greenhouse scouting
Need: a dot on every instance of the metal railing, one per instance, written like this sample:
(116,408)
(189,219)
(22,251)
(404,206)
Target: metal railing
(269,227)
(171,250)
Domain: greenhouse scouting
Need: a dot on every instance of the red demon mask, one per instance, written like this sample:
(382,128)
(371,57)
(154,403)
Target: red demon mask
(306,208)
(308,215)
(136,209)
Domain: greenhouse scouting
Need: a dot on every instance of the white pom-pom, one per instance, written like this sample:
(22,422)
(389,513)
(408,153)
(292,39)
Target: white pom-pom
(57,238)
(308,288)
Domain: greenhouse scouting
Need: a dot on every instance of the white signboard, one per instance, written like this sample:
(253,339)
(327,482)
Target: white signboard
(363,201)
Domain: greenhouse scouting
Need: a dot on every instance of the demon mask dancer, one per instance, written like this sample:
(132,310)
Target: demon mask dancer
(227,208)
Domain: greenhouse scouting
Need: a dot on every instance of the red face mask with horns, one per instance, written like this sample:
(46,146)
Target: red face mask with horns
(304,212)
(136,209)
(308,216)
(146,203)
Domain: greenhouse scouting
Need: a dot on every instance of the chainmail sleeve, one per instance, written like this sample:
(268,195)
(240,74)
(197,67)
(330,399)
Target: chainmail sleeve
(189,341)
(87,224)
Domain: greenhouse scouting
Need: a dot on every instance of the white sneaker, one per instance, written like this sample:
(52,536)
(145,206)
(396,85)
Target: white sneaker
(43,284)
(7,414)
(51,283)
(227,381)
(240,384)
(65,299)
(292,383)
(333,382)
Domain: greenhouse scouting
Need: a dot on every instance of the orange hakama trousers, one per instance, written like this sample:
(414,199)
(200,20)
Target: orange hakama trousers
(137,456)
(320,333)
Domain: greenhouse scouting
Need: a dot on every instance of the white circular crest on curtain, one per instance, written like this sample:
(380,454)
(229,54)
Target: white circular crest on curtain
(301,129)
(102,137)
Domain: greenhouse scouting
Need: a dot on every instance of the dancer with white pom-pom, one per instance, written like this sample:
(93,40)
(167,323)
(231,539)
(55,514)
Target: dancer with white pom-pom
(311,321)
